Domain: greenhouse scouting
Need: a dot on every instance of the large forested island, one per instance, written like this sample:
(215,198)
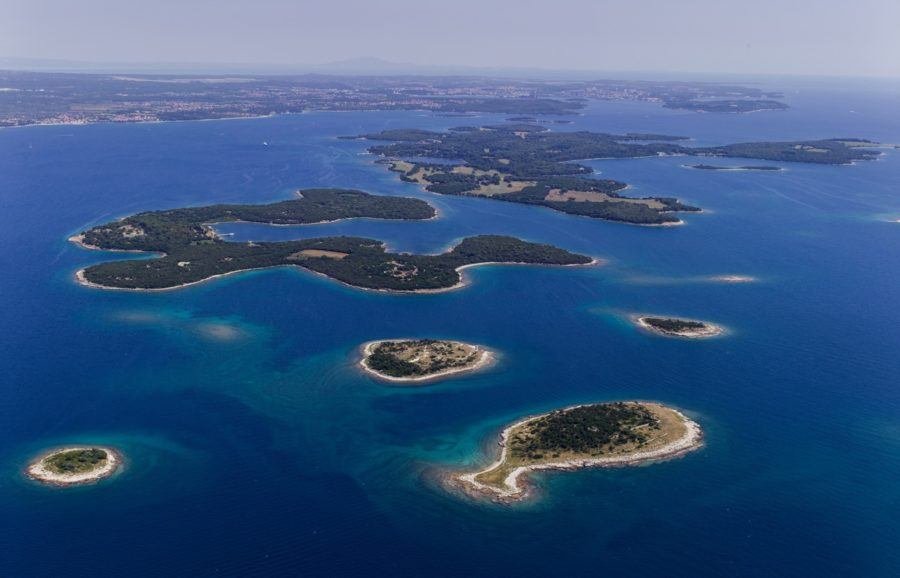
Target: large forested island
(418,360)
(77,465)
(192,252)
(598,435)
(526,163)
(164,230)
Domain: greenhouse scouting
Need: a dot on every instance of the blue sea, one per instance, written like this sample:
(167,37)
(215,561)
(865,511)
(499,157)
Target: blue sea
(254,446)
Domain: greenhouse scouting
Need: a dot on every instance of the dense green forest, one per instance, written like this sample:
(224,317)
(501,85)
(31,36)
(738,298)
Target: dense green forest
(516,150)
(75,461)
(585,430)
(826,152)
(167,230)
(356,261)
(541,161)
(385,362)
(672,325)
(541,153)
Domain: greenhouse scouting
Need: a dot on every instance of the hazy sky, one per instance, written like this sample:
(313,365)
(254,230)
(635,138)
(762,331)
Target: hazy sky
(839,37)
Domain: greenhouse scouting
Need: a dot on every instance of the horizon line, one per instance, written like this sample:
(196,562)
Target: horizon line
(182,68)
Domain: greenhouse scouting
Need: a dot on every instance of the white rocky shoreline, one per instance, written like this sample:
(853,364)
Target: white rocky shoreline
(38,471)
(486,357)
(513,490)
(709,329)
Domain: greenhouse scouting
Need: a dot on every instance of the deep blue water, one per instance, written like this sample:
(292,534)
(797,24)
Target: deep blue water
(254,447)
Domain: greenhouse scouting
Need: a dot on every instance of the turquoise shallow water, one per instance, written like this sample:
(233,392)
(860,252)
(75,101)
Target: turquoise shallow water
(255,447)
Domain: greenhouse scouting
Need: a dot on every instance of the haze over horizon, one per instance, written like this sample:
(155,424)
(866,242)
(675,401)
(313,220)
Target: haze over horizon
(694,36)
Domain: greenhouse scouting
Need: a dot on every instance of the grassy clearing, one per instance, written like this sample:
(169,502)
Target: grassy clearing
(316,253)
(598,197)
(421,357)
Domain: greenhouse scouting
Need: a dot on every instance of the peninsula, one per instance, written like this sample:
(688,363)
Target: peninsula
(597,435)
(192,252)
(675,327)
(526,163)
(419,360)
(76,465)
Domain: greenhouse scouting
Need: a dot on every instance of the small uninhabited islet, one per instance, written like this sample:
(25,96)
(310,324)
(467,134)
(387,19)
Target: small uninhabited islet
(74,465)
(419,360)
(677,327)
(584,436)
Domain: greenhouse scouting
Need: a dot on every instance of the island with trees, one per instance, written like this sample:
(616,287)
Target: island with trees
(676,327)
(595,435)
(162,231)
(420,360)
(76,465)
(703,167)
(527,163)
(192,252)
(732,105)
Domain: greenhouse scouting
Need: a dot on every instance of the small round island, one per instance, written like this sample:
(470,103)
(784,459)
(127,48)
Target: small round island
(419,360)
(676,327)
(584,436)
(74,465)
